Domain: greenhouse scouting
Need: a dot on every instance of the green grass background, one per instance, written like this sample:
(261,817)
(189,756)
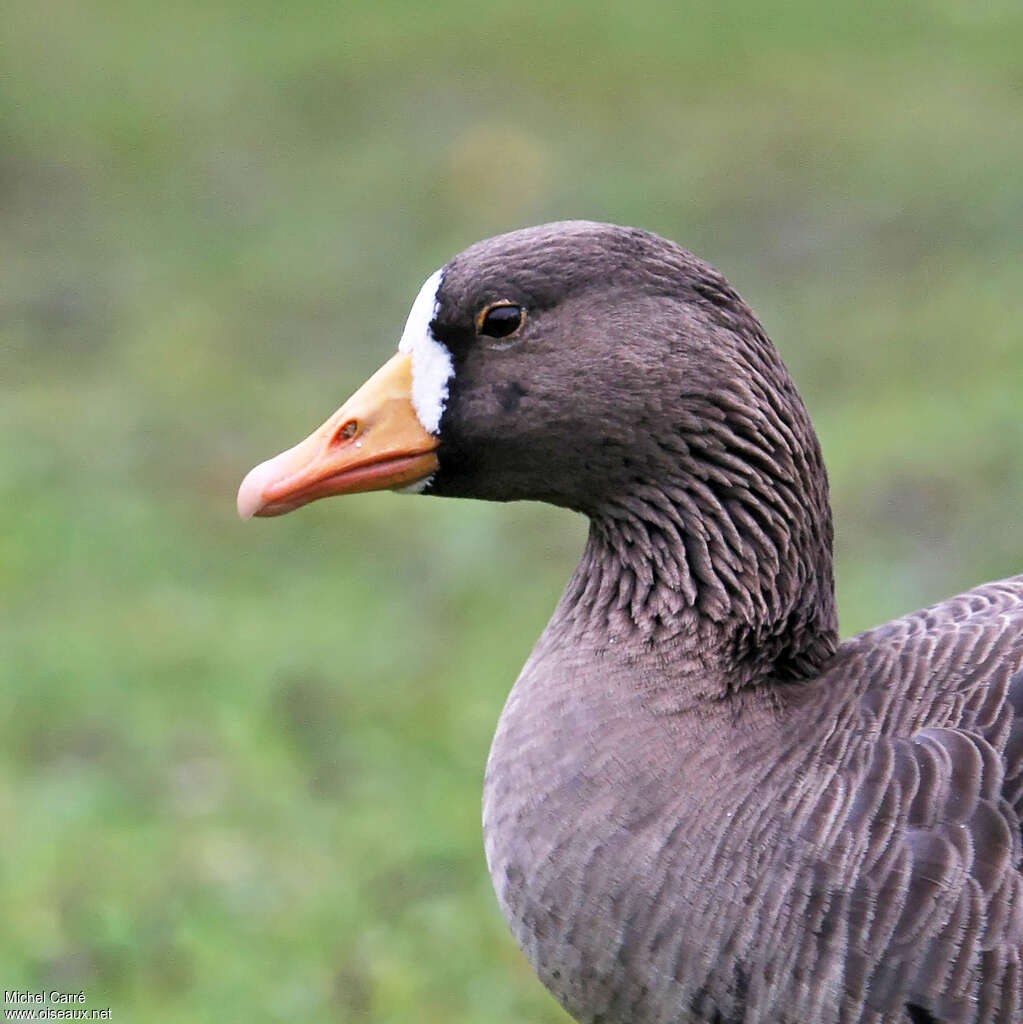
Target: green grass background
(241,764)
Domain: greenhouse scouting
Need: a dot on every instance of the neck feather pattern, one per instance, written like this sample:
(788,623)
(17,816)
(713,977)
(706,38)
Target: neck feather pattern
(725,549)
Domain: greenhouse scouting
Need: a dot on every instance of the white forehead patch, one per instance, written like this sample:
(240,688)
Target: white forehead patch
(431,361)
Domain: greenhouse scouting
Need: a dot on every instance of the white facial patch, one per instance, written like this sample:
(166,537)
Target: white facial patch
(431,361)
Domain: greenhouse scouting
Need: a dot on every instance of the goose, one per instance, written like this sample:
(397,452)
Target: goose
(699,804)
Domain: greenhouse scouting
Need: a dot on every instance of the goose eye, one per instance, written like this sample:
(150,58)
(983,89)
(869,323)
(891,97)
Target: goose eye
(500,320)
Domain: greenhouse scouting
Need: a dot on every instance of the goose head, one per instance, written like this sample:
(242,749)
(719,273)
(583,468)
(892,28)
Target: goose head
(609,371)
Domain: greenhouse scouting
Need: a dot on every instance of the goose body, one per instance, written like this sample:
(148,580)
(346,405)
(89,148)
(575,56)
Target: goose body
(699,805)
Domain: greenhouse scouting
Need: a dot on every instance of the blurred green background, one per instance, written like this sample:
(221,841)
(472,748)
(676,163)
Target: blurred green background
(241,764)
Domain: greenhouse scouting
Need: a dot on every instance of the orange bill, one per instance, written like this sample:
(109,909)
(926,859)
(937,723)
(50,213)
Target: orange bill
(373,442)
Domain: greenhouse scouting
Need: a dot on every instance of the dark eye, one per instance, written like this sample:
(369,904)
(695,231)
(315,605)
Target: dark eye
(501,320)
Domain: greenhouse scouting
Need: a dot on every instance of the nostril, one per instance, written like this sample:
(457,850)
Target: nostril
(345,432)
